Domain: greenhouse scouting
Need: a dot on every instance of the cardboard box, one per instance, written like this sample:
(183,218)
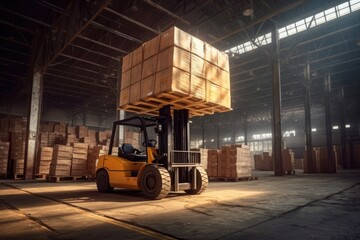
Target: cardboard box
(127,62)
(147,87)
(174,36)
(135,92)
(151,47)
(126,79)
(198,47)
(223,78)
(124,96)
(198,66)
(218,95)
(211,54)
(176,57)
(137,56)
(172,79)
(197,87)
(136,73)
(223,61)
(149,66)
(211,73)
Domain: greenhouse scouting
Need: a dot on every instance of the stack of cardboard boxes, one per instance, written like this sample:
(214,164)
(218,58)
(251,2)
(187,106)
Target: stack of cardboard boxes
(46,154)
(79,159)
(61,161)
(174,66)
(4,156)
(234,161)
(212,166)
(93,158)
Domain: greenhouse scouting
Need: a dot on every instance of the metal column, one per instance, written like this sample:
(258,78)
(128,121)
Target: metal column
(245,129)
(33,117)
(345,159)
(308,138)
(203,133)
(166,134)
(331,164)
(276,94)
(182,139)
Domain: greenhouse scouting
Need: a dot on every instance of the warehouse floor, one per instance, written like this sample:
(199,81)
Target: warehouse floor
(301,206)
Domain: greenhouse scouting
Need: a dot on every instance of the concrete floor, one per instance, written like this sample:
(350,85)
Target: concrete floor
(319,206)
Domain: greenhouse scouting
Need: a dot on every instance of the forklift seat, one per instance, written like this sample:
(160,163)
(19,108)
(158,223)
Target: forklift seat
(130,153)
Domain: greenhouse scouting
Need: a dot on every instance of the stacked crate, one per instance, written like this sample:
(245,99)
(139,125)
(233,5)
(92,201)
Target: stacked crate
(17,143)
(288,160)
(70,138)
(19,167)
(17,124)
(4,156)
(92,137)
(81,131)
(46,154)
(236,161)
(60,128)
(60,138)
(48,127)
(4,129)
(44,139)
(93,158)
(174,66)
(70,130)
(321,163)
(101,137)
(212,166)
(79,159)
(61,160)
(52,139)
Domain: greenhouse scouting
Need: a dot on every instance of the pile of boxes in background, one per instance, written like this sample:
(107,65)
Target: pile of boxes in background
(63,150)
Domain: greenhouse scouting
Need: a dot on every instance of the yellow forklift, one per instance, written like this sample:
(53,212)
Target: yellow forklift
(154,170)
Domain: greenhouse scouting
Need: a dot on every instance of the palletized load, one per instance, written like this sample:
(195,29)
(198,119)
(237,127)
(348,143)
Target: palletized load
(178,69)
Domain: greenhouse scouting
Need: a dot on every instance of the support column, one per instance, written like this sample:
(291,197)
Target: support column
(203,133)
(344,157)
(276,94)
(331,164)
(234,132)
(245,129)
(308,139)
(166,140)
(33,118)
(120,114)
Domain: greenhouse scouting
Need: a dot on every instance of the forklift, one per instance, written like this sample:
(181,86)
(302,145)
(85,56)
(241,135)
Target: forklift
(155,170)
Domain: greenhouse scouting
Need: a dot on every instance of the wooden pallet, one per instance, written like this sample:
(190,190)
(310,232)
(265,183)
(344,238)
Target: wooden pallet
(64,178)
(40,176)
(232,179)
(289,172)
(196,106)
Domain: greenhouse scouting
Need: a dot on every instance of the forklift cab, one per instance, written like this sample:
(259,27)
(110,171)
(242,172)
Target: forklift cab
(139,142)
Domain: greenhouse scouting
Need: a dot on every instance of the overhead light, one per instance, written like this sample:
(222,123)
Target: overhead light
(248,12)
(313,130)
(347,125)
(335,127)
(212,140)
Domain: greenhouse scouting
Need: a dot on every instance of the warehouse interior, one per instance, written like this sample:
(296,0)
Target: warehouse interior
(294,83)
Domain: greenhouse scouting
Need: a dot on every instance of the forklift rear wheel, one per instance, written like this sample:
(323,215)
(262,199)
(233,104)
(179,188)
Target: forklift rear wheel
(102,181)
(155,182)
(201,181)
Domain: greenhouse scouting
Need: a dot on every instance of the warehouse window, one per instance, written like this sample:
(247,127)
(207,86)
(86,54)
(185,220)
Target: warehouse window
(299,26)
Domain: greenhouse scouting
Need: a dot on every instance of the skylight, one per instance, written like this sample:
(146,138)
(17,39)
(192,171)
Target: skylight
(299,26)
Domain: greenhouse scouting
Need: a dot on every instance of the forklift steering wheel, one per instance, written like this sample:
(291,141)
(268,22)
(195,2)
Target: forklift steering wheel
(150,143)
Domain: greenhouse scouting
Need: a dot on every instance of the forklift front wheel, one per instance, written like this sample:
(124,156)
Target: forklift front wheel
(201,181)
(102,181)
(155,182)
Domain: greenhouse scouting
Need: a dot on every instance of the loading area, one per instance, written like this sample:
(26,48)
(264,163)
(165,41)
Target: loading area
(301,206)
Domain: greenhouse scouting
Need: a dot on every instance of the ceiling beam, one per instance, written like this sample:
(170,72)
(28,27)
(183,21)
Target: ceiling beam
(102,44)
(132,21)
(157,6)
(66,29)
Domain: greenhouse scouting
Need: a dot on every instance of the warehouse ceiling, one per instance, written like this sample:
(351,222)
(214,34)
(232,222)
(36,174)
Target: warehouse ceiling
(82,43)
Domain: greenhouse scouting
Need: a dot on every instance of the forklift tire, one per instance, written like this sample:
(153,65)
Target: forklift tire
(155,182)
(201,182)
(102,181)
